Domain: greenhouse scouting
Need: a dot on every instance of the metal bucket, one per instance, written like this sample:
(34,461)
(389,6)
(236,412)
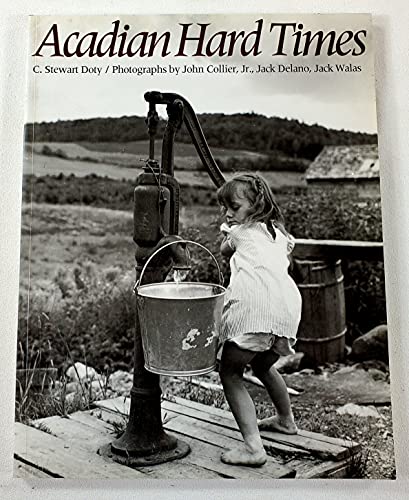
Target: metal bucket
(180,323)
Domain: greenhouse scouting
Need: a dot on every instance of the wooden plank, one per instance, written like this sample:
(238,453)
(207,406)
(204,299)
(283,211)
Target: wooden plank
(221,431)
(329,468)
(352,446)
(200,433)
(218,387)
(100,419)
(339,472)
(221,428)
(57,457)
(25,471)
(85,429)
(119,406)
(178,469)
(209,433)
(87,432)
(77,434)
(320,447)
(305,467)
(208,456)
(97,421)
(373,399)
(338,249)
(116,405)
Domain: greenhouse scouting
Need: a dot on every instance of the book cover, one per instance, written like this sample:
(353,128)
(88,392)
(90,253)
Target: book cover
(133,123)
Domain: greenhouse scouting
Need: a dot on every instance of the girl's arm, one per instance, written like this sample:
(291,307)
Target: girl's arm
(226,248)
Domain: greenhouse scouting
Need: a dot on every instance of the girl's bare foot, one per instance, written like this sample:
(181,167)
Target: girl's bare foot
(277,424)
(243,456)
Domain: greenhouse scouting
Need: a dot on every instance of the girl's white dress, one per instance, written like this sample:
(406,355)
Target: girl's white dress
(262,307)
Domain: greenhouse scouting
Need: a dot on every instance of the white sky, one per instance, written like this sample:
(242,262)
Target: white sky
(335,100)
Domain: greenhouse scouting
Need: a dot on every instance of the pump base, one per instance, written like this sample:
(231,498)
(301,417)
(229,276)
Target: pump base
(181,450)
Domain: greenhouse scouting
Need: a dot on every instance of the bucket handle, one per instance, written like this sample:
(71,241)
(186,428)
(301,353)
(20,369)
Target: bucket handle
(137,284)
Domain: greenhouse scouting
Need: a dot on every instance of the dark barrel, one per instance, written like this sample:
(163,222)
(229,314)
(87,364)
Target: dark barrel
(321,334)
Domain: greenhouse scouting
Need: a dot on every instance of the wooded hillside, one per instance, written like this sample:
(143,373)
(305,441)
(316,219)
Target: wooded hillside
(248,131)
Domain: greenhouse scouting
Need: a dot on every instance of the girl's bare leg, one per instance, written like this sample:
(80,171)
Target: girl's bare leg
(277,390)
(232,366)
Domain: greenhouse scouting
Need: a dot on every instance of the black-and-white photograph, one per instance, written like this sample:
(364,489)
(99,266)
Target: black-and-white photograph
(202,291)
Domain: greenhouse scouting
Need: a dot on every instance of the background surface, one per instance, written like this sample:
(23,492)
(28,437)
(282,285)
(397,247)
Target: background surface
(392,81)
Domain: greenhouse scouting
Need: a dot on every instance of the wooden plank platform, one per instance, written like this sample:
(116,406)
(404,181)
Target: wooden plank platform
(68,447)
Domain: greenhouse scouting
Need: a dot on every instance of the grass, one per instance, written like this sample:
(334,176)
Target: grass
(53,401)
(34,402)
(141,147)
(51,397)
(74,233)
(69,233)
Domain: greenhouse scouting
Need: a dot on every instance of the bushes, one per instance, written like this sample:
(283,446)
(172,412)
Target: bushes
(333,213)
(48,151)
(87,315)
(273,162)
(89,190)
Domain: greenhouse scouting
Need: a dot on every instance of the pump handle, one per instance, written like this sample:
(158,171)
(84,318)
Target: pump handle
(195,131)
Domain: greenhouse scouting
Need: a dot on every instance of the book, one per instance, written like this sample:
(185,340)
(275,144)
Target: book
(133,122)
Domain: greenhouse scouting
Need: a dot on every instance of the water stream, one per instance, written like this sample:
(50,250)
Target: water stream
(180,275)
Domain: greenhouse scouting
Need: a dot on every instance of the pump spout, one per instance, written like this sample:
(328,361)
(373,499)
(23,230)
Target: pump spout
(179,253)
(175,256)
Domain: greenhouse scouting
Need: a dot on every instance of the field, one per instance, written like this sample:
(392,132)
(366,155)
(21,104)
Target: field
(60,237)
(41,165)
(140,148)
(125,161)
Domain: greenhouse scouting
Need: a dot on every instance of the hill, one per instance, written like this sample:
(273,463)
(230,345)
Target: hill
(273,136)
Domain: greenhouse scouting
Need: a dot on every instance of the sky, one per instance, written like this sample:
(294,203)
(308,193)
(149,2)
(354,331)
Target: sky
(340,100)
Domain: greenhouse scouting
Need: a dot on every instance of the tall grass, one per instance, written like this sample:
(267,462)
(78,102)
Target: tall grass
(86,312)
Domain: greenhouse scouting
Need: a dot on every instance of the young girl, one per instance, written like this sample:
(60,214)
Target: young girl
(261,313)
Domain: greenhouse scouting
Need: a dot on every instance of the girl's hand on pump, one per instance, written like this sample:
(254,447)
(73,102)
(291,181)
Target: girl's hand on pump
(226,247)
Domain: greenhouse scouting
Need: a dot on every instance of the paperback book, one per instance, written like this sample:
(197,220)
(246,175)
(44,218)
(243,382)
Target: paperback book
(136,129)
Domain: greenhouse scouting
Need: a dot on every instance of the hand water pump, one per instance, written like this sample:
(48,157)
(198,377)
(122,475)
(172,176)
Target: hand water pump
(156,221)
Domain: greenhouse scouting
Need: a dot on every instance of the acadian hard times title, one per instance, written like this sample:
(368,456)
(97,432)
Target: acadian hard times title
(200,39)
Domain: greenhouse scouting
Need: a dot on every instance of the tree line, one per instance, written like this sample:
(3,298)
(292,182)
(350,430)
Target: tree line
(249,131)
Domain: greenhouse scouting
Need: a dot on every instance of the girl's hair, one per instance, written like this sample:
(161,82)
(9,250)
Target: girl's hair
(264,208)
